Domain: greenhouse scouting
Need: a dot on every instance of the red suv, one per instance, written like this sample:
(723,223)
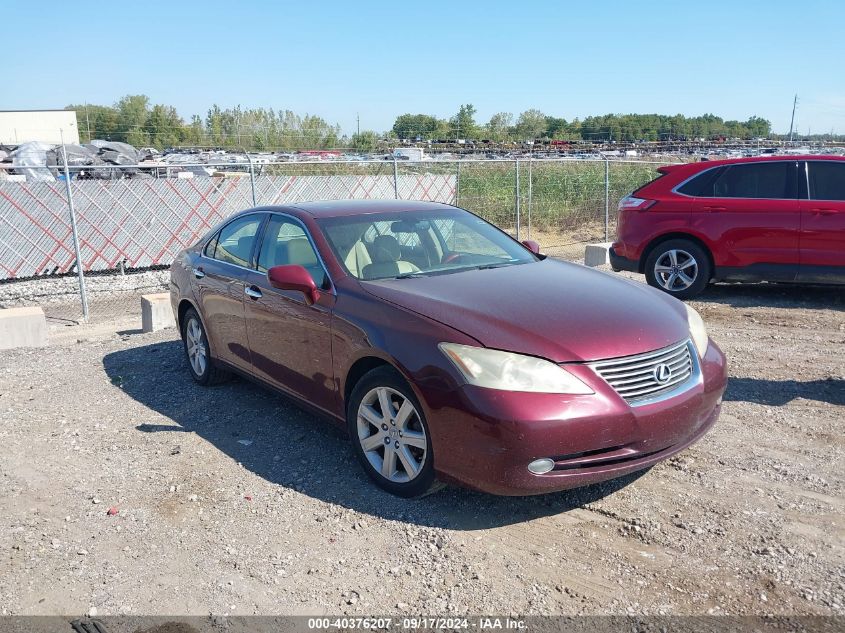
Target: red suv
(778,218)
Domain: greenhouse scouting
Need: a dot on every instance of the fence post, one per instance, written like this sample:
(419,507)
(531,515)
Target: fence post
(530,191)
(458,185)
(82,293)
(606,199)
(251,179)
(395,179)
(516,197)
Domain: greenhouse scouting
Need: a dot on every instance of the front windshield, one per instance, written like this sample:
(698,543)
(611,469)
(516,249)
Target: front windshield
(419,243)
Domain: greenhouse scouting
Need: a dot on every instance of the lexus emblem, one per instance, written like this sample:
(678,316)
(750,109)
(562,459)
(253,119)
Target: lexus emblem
(662,373)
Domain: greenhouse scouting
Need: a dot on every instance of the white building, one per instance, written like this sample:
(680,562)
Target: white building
(47,126)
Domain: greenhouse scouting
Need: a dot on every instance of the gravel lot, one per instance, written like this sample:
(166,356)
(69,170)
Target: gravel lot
(127,489)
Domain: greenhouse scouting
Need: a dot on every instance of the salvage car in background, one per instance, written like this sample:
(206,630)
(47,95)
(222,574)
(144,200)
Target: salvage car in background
(448,350)
(777,218)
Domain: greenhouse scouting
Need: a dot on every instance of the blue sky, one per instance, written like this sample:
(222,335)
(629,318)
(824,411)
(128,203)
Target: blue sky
(380,59)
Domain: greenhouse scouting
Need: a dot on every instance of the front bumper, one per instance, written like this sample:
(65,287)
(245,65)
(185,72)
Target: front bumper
(619,262)
(484,439)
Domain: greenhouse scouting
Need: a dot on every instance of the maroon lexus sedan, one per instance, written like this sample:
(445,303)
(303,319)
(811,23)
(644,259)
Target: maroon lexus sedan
(449,350)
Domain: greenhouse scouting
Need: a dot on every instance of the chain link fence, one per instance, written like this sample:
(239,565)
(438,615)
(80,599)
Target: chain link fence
(128,230)
(567,205)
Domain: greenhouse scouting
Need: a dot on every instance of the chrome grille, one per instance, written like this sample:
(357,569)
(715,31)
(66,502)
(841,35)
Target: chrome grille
(646,376)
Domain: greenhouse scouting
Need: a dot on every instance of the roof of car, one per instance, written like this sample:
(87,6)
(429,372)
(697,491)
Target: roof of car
(334,208)
(759,159)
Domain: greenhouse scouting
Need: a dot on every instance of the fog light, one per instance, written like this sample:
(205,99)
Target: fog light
(541,466)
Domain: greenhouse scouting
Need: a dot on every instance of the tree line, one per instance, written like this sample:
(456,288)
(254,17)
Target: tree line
(533,125)
(135,120)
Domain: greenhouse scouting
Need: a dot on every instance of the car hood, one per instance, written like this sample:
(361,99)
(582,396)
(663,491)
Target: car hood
(560,311)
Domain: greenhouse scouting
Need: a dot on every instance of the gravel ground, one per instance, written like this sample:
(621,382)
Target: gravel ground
(127,489)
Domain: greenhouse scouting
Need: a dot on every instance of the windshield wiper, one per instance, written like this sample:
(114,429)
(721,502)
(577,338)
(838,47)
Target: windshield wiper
(419,273)
(497,265)
(446,271)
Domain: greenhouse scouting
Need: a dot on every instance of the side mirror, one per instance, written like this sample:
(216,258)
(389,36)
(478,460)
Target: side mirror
(294,277)
(532,246)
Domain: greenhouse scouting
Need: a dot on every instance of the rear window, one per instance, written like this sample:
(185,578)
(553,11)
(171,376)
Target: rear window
(755,180)
(827,180)
(702,184)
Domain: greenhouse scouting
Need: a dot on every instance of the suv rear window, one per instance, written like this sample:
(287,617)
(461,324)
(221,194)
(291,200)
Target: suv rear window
(827,180)
(702,184)
(756,180)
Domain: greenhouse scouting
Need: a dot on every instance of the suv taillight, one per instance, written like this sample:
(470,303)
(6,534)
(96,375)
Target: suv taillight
(631,203)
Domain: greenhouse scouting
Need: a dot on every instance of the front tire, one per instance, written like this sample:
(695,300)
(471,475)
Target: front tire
(390,435)
(679,267)
(197,351)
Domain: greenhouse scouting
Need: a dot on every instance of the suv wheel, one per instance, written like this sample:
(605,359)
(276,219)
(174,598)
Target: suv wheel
(680,268)
(389,434)
(200,363)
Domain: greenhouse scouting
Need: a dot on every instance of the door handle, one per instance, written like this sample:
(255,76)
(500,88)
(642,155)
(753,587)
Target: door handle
(715,209)
(253,292)
(820,211)
(198,273)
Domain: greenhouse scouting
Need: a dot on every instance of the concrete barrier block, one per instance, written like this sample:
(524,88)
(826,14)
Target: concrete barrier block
(156,313)
(22,327)
(597,254)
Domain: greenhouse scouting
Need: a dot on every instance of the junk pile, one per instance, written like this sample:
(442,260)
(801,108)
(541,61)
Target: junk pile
(102,160)
(110,160)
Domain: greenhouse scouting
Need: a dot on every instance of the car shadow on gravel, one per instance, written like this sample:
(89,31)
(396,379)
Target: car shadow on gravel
(776,393)
(775,296)
(287,446)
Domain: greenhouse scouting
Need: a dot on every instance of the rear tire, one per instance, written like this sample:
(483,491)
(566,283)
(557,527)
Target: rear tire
(389,434)
(678,267)
(198,352)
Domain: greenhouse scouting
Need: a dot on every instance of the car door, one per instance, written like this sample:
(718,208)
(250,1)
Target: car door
(219,282)
(823,222)
(290,341)
(751,211)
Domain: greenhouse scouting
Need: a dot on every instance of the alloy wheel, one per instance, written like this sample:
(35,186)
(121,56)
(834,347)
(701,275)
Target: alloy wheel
(676,270)
(197,351)
(391,434)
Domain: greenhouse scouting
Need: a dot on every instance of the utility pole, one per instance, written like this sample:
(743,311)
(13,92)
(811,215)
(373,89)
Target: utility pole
(87,122)
(358,123)
(792,122)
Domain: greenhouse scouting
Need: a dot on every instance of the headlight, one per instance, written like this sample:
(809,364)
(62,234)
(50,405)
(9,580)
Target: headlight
(697,331)
(511,372)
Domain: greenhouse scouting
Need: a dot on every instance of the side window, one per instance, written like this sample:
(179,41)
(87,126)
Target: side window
(235,241)
(285,242)
(212,244)
(702,185)
(827,180)
(756,180)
